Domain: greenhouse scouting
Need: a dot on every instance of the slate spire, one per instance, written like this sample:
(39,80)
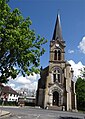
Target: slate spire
(57,31)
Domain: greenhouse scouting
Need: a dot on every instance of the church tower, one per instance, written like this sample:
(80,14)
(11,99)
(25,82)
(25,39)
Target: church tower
(56,90)
(57,44)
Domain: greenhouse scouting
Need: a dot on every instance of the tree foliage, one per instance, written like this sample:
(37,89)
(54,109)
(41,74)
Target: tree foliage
(80,91)
(20,49)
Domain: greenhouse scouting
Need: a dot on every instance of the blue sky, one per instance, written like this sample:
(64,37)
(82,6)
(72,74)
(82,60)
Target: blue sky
(43,15)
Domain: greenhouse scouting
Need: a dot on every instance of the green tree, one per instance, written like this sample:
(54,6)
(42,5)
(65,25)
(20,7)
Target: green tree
(80,92)
(20,49)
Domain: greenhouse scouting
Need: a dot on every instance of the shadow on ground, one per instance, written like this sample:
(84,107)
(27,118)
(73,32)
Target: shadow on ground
(69,118)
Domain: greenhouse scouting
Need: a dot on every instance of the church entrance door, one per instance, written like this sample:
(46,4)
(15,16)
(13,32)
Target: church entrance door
(56,98)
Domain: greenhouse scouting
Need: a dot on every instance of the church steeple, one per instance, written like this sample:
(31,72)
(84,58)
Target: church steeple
(57,44)
(57,31)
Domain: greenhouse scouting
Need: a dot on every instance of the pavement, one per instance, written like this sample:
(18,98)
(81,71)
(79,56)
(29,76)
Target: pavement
(4,113)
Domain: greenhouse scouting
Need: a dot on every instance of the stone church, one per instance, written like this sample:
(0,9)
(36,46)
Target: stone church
(56,89)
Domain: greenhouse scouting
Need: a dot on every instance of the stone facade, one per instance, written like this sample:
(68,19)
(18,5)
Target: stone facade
(55,87)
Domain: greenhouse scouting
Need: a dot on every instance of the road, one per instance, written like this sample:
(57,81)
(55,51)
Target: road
(36,113)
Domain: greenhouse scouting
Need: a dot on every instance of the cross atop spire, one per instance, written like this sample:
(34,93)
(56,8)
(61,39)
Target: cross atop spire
(57,31)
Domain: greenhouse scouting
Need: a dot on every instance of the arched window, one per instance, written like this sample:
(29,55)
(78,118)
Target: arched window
(55,55)
(56,75)
(59,55)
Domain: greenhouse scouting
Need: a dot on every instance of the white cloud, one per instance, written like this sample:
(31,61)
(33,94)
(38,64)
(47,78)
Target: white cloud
(70,51)
(12,85)
(29,82)
(82,45)
(76,67)
(31,86)
(34,76)
(23,80)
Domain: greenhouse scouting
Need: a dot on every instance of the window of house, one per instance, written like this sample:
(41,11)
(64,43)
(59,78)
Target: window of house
(10,94)
(16,100)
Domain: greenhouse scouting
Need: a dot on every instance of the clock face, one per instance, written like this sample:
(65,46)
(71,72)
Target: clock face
(57,45)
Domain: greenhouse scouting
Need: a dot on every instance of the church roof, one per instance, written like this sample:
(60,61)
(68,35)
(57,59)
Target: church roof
(57,31)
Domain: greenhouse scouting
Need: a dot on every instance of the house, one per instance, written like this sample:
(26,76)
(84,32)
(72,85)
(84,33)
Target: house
(56,88)
(8,94)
